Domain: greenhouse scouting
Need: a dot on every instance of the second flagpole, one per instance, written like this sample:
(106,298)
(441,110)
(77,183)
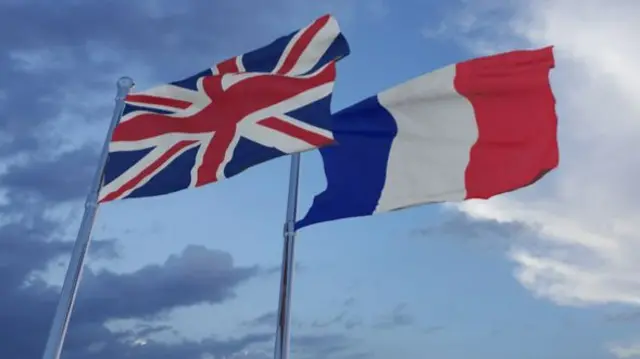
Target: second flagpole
(67,298)
(283,334)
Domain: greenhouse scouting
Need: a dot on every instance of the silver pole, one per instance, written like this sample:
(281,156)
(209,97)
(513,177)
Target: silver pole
(284,304)
(58,331)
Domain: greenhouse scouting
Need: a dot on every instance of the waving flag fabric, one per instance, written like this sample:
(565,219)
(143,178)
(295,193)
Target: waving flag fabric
(470,130)
(241,112)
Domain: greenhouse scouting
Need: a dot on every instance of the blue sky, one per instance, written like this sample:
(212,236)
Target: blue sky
(543,273)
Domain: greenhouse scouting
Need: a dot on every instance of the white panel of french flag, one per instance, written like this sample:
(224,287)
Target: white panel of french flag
(474,129)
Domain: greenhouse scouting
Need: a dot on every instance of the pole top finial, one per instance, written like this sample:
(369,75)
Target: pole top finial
(125,82)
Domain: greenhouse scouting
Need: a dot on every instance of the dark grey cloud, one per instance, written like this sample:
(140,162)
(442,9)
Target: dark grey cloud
(30,241)
(352,323)
(321,346)
(339,318)
(130,348)
(277,269)
(433,329)
(197,275)
(343,319)
(460,225)
(628,316)
(490,235)
(349,302)
(268,319)
(56,179)
(476,234)
(399,317)
(145,330)
(26,309)
(327,345)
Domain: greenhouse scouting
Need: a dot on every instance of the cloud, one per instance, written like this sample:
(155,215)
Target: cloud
(585,213)
(343,319)
(268,319)
(197,275)
(624,351)
(625,316)
(31,241)
(477,234)
(397,318)
(349,302)
(26,307)
(353,323)
(433,329)
(48,177)
(277,269)
(339,318)
(231,348)
(322,346)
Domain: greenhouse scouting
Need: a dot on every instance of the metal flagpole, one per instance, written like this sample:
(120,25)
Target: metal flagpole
(76,263)
(284,303)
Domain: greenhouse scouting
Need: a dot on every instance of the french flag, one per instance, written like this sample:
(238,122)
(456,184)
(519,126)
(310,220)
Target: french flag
(474,129)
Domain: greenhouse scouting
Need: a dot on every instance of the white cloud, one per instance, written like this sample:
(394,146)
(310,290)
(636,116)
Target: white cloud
(588,211)
(625,351)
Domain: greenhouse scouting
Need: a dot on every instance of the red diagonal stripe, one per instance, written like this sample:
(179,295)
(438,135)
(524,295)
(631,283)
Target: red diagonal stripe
(162,101)
(214,155)
(263,91)
(227,66)
(309,137)
(303,42)
(147,171)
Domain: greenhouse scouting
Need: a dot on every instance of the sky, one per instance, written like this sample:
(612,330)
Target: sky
(546,272)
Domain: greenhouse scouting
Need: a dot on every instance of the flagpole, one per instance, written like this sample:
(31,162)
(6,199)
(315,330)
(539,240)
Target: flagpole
(67,298)
(284,303)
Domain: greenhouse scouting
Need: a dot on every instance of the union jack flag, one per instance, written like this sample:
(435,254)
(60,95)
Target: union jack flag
(242,112)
